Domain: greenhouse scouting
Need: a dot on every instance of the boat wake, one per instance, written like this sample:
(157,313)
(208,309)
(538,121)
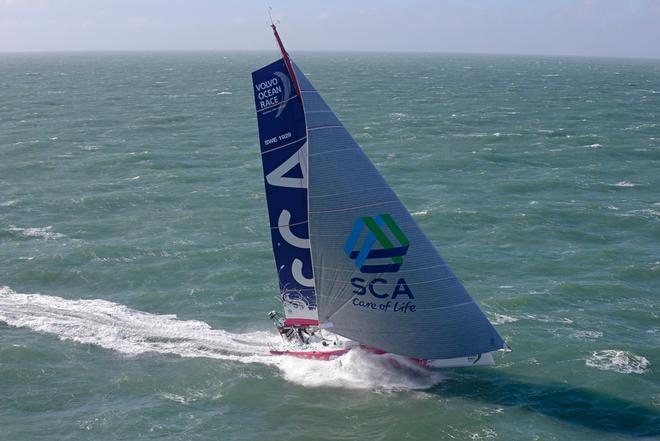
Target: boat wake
(128,331)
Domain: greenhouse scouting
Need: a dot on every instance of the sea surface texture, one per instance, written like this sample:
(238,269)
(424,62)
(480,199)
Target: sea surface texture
(136,270)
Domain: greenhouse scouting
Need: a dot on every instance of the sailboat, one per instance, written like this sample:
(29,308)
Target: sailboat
(355,270)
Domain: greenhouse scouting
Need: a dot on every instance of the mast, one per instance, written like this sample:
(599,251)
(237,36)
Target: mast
(283,144)
(285,55)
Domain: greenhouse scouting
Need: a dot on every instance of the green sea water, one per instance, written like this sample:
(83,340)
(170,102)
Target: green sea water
(136,268)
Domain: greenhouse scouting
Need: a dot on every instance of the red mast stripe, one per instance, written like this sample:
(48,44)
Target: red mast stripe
(287,61)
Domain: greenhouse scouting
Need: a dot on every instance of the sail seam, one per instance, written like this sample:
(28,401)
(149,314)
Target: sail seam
(335,126)
(344,193)
(289,225)
(285,145)
(356,207)
(335,151)
(407,269)
(408,283)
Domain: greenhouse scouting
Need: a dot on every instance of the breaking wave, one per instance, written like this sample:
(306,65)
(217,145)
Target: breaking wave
(128,331)
(622,362)
(42,233)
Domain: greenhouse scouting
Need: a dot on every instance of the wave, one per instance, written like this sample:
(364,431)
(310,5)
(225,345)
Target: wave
(500,319)
(128,331)
(420,213)
(622,362)
(42,233)
(586,335)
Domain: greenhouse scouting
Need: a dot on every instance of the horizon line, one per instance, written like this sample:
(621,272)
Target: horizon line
(344,51)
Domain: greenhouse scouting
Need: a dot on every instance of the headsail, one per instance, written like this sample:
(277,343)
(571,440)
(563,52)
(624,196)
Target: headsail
(283,140)
(379,279)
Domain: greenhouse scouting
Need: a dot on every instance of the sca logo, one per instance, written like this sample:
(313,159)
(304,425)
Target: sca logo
(382,246)
(387,258)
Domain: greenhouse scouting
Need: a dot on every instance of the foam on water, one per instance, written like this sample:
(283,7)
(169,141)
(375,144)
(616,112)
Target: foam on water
(586,335)
(624,184)
(498,319)
(42,233)
(128,331)
(623,362)
(420,213)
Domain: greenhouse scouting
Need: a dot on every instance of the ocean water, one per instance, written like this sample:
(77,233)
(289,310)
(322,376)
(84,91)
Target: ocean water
(136,269)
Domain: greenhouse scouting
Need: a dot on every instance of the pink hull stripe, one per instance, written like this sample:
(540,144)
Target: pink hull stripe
(331,355)
(300,322)
(313,355)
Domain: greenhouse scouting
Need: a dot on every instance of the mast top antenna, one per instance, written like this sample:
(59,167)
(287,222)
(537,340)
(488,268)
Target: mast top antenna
(270,16)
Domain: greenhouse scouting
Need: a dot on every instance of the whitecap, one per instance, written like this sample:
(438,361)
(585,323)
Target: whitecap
(500,319)
(595,146)
(624,184)
(548,319)
(647,212)
(420,213)
(623,362)
(43,233)
(485,433)
(587,335)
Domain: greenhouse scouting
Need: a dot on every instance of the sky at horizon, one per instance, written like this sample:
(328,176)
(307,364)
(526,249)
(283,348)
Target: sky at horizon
(610,28)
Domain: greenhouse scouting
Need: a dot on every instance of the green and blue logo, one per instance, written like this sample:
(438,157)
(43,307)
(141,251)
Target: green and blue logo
(378,253)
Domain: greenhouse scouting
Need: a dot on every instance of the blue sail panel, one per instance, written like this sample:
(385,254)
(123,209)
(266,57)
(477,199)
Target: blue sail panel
(283,142)
(379,279)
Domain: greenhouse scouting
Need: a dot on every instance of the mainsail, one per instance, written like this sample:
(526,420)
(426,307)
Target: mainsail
(283,136)
(376,277)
